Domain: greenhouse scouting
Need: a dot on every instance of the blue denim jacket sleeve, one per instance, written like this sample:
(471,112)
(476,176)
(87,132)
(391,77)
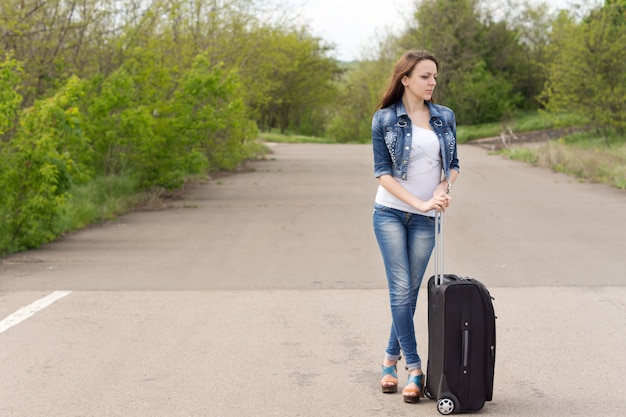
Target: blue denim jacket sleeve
(443,122)
(383,162)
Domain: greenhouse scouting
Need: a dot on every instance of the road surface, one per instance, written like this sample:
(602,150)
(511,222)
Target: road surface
(263,294)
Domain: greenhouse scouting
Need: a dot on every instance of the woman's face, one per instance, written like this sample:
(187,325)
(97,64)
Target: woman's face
(422,80)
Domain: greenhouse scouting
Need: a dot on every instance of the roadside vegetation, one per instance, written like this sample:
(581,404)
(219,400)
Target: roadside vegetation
(107,106)
(522,121)
(293,138)
(587,156)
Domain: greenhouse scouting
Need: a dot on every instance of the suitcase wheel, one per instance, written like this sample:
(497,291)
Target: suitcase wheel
(446,405)
(428,394)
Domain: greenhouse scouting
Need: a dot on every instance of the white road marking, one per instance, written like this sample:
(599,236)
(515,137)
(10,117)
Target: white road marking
(29,310)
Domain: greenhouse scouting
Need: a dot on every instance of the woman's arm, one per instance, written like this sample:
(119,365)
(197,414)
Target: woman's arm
(443,186)
(439,201)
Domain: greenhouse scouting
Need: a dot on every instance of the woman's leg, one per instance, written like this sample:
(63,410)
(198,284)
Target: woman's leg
(390,227)
(421,239)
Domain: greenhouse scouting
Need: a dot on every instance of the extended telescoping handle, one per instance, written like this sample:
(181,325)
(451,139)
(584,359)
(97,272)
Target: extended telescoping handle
(438,248)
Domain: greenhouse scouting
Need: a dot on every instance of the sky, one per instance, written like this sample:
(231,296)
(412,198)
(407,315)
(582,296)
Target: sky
(352,24)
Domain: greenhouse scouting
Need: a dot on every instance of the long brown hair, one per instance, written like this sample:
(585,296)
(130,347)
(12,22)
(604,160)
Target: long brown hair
(404,66)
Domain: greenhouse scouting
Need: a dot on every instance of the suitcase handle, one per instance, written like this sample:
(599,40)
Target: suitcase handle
(438,248)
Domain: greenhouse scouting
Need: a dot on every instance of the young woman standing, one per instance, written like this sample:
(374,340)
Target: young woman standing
(416,163)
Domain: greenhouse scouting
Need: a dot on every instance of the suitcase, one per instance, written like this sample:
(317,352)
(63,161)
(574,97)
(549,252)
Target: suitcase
(461,339)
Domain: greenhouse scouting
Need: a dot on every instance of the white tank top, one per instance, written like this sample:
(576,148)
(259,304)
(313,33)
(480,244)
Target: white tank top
(423,173)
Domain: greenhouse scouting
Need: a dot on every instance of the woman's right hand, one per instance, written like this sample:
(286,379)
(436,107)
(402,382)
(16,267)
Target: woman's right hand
(439,202)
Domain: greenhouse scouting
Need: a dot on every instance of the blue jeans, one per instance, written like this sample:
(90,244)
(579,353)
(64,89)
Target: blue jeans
(406,242)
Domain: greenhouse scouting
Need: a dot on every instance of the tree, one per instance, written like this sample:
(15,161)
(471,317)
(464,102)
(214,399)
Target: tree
(587,76)
(10,100)
(301,83)
(479,96)
(531,24)
(360,91)
(482,60)
(147,91)
(452,31)
(59,38)
(208,116)
(39,165)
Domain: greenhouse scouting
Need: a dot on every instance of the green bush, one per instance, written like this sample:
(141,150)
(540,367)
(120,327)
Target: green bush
(481,97)
(40,162)
(10,99)
(587,72)
(208,117)
(121,125)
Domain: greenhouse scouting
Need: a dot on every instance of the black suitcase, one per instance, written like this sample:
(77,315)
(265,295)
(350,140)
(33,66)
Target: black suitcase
(461,339)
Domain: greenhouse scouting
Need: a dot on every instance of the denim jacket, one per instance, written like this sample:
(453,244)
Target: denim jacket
(391,139)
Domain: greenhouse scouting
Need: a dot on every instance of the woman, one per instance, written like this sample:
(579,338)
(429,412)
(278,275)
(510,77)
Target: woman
(415,161)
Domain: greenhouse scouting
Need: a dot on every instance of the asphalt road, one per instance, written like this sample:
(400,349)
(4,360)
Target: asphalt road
(263,294)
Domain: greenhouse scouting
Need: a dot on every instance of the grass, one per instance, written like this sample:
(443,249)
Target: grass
(520,122)
(290,138)
(255,149)
(105,198)
(585,156)
(100,200)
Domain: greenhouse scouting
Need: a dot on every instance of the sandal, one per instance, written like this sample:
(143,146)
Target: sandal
(389,385)
(412,395)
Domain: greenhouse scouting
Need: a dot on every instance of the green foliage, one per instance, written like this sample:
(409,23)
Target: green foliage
(480,97)
(522,154)
(56,39)
(486,70)
(210,116)
(288,138)
(121,125)
(295,82)
(587,76)
(518,122)
(175,88)
(517,49)
(10,100)
(39,163)
(358,97)
(159,130)
(97,201)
